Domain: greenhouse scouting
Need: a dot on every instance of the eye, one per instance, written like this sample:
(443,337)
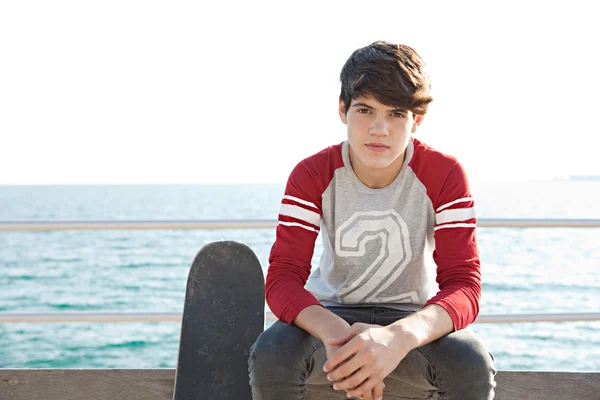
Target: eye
(363,111)
(398,114)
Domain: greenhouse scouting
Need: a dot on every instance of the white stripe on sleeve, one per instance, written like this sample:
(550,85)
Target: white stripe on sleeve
(297,200)
(308,228)
(455,215)
(300,213)
(455,226)
(464,199)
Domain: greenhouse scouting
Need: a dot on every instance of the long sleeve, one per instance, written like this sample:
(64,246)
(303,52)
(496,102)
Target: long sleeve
(291,254)
(456,253)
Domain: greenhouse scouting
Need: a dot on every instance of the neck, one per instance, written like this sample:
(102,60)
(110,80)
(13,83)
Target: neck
(377,178)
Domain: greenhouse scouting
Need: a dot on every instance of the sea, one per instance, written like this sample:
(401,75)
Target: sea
(524,270)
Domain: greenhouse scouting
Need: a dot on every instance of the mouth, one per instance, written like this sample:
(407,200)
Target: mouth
(376,146)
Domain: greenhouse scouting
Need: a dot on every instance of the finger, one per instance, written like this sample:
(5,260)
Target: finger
(352,381)
(365,387)
(375,394)
(345,352)
(378,391)
(349,367)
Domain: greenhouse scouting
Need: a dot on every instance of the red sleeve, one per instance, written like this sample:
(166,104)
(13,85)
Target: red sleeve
(456,253)
(292,252)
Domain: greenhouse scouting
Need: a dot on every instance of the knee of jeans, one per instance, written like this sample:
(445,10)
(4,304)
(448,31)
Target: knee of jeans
(282,346)
(479,369)
(465,359)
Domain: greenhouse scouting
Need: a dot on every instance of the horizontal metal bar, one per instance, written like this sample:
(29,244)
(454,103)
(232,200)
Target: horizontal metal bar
(90,317)
(136,225)
(261,224)
(537,223)
(176,317)
(546,317)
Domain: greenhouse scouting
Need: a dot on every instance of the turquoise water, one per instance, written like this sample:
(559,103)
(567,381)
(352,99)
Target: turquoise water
(524,270)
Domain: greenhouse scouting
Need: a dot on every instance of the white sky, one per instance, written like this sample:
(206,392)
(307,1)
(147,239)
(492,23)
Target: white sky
(206,92)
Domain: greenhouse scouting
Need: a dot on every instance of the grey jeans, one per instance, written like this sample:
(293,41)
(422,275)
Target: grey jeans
(285,359)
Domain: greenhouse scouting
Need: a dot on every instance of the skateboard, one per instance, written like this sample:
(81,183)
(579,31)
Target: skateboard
(223,315)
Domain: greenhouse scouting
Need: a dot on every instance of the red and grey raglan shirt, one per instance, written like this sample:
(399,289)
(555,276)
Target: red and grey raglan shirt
(409,244)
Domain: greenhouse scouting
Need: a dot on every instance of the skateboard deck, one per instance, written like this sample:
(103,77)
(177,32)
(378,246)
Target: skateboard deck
(223,315)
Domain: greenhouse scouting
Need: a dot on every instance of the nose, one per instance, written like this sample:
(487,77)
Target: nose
(379,128)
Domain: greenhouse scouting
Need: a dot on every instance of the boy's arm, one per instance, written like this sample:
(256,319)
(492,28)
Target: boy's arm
(292,252)
(456,253)
(321,323)
(429,324)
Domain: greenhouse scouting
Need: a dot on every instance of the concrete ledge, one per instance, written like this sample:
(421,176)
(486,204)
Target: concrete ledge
(157,384)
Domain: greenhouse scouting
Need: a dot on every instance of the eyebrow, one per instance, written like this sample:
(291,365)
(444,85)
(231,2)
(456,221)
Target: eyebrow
(371,108)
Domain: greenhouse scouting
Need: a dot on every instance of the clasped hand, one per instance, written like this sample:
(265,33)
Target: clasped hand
(359,361)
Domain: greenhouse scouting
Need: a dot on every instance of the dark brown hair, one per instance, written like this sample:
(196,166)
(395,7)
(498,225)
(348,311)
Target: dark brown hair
(393,74)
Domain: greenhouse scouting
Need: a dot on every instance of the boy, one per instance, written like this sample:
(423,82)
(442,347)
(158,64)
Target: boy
(396,216)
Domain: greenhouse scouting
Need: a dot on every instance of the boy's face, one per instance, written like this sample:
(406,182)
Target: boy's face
(378,135)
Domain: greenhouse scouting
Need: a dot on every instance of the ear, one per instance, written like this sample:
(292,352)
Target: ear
(418,119)
(342,112)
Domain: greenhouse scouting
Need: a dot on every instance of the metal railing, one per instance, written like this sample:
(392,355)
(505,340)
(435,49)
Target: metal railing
(259,224)
(262,224)
(269,317)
